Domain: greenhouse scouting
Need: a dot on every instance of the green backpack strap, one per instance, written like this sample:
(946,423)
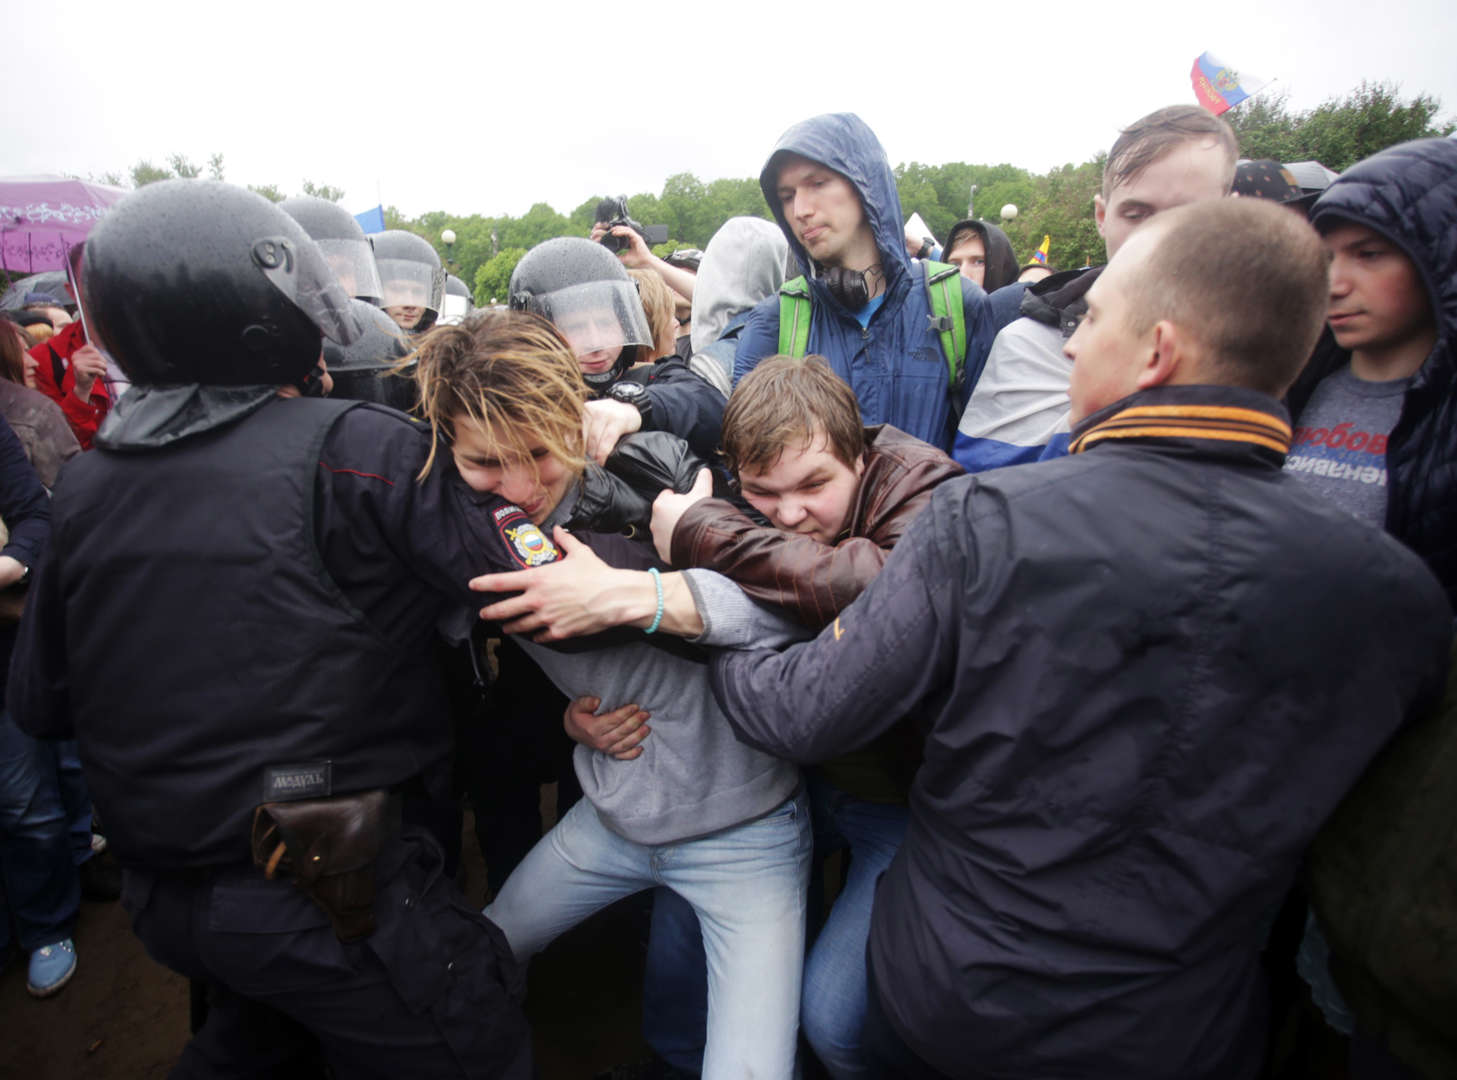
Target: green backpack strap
(794,315)
(948,319)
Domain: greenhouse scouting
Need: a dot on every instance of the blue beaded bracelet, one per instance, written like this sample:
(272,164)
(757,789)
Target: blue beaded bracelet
(657,584)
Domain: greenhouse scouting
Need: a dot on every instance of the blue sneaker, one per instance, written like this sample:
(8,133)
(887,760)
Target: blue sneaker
(51,968)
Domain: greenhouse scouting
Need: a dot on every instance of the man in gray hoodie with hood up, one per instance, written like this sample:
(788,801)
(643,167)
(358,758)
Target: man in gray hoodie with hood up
(745,262)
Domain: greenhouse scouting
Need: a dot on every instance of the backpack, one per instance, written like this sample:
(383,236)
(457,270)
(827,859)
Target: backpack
(947,318)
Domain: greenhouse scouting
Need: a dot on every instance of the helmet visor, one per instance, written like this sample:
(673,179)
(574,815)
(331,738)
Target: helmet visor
(454,308)
(407,283)
(596,315)
(353,264)
(300,273)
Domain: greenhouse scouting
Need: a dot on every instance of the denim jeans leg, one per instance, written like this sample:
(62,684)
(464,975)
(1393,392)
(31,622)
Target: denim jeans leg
(41,886)
(748,885)
(575,870)
(75,799)
(675,984)
(835,980)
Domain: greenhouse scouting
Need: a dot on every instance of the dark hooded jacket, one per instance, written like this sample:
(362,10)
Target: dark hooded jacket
(895,365)
(1408,194)
(1382,871)
(1001,261)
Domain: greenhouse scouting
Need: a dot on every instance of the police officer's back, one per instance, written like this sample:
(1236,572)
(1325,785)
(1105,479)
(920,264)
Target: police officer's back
(236,625)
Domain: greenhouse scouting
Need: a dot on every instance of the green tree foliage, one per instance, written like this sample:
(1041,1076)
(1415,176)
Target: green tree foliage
(493,277)
(144,172)
(268,191)
(1061,206)
(183,168)
(1338,132)
(1059,203)
(323,191)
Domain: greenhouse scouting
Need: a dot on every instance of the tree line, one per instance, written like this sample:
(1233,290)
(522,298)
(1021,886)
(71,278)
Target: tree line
(1338,133)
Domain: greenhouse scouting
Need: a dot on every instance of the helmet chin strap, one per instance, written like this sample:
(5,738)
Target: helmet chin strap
(601,380)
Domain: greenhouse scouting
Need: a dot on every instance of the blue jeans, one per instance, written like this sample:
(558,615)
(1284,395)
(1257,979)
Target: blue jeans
(746,883)
(835,980)
(832,1008)
(41,886)
(75,799)
(675,984)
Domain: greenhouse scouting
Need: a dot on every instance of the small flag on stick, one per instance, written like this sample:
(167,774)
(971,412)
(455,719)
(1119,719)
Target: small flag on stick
(1040,255)
(371,220)
(1220,87)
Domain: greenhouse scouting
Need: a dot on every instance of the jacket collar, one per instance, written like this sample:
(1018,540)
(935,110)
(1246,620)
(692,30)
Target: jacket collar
(1225,420)
(1060,300)
(148,417)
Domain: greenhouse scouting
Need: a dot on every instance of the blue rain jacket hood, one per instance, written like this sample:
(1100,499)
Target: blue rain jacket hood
(846,144)
(895,365)
(1408,194)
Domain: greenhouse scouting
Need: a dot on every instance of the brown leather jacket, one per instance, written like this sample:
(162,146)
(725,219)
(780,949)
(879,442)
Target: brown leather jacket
(811,580)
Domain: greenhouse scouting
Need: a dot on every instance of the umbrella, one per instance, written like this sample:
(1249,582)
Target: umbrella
(1311,175)
(51,282)
(41,217)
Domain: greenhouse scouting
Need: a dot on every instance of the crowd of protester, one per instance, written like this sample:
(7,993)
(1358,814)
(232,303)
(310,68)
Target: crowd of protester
(1094,626)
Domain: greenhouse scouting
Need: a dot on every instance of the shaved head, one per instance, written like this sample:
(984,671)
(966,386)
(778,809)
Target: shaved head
(1244,278)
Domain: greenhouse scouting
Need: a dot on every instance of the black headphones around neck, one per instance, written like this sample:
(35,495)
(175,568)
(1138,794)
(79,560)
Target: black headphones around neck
(849,287)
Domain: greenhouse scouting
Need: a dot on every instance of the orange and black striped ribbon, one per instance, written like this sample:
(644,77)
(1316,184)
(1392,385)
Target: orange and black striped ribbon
(1226,423)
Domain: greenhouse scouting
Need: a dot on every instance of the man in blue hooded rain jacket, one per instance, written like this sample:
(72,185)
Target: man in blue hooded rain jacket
(833,193)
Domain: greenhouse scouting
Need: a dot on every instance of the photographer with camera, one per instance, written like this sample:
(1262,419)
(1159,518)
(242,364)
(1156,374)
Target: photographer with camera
(618,233)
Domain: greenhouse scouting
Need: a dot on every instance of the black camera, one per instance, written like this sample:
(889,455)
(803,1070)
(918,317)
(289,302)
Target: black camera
(613,212)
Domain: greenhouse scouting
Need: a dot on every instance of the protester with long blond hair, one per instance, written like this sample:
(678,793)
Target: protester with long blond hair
(720,823)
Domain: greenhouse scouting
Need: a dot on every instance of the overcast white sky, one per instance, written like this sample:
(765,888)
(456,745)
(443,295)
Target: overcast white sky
(489,107)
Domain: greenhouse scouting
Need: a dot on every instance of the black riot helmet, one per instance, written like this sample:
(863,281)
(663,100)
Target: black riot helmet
(366,370)
(411,277)
(457,303)
(197,281)
(341,240)
(584,291)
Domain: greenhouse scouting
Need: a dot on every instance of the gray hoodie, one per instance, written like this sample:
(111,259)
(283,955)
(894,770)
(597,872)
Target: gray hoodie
(693,777)
(743,263)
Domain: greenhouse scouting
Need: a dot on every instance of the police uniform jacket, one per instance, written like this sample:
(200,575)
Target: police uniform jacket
(245,614)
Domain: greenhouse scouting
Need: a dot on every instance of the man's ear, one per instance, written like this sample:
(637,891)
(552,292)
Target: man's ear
(1166,357)
(1100,211)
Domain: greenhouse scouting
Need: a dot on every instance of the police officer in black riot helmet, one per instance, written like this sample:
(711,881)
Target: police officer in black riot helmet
(342,241)
(584,291)
(458,302)
(412,278)
(235,623)
(369,369)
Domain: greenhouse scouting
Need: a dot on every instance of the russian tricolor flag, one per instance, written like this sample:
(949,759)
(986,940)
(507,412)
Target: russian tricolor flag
(1220,87)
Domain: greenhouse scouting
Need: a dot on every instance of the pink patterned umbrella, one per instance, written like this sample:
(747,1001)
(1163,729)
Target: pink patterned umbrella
(41,217)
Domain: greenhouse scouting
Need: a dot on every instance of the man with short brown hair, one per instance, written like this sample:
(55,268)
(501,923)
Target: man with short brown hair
(1018,411)
(783,402)
(1148,671)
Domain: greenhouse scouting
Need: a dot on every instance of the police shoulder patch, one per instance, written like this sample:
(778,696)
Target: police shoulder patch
(527,544)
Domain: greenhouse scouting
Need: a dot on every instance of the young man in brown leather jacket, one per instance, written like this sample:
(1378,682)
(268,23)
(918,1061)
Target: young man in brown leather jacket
(837,496)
